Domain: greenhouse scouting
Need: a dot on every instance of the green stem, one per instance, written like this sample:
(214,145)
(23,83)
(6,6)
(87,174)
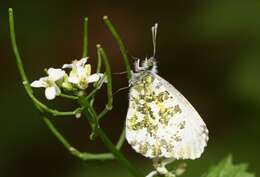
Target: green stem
(68,96)
(120,44)
(127,65)
(103,112)
(99,63)
(96,86)
(85,38)
(121,139)
(89,111)
(45,109)
(16,51)
(72,150)
(108,77)
(118,155)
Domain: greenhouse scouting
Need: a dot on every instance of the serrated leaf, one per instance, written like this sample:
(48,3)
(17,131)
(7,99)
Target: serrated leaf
(226,168)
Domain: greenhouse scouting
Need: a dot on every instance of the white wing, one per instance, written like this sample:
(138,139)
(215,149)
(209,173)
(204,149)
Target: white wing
(162,123)
(195,135)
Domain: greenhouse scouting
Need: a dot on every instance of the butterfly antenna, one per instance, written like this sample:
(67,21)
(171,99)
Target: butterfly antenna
(154,36)
(119,90)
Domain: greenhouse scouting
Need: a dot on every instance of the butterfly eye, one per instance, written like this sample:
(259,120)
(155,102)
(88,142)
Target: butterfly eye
(150,65)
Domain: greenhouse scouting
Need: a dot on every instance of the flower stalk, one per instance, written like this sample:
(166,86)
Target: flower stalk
(120,43)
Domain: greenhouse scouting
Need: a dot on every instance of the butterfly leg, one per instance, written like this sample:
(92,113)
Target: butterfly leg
(160,166)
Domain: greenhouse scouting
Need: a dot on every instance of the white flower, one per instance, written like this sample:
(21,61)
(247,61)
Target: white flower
(76,63)
(50,82)
(80,74)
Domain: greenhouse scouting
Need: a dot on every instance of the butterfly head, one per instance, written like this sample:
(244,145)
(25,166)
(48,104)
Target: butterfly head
(143,68)
(148,64)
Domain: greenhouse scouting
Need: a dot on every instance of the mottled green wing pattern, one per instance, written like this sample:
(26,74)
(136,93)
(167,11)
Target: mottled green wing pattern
(160,124)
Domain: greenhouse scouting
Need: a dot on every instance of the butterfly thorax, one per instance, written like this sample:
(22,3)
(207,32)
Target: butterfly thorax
(148,66)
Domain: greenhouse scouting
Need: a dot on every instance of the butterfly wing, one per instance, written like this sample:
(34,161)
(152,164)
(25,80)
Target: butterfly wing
(194,135)
(161,122)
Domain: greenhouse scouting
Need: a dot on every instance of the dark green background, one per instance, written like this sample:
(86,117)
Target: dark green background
(209,50)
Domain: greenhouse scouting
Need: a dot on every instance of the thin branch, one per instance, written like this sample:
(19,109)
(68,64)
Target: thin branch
(109,104)
(108,76)
(109,95)
(96,88)
(85,38)
(104,112)
(96,85)
(16,51)
(118,155)
(89,111)
(120,44)
(99,63)
(68,96)
(121,140)
(44,108)
(74,151)
(127,65)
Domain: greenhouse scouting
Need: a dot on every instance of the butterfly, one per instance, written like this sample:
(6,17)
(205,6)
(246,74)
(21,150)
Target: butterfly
(160,122)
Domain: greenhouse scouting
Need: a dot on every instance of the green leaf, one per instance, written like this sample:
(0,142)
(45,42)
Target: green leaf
(226,168)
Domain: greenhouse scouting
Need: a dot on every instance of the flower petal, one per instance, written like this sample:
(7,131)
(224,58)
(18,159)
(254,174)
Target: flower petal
(57,89)
(81,72)
(87,69)
(67,66)
(50,93)
(73,79)
(82,61)
(95,77)
(55,74)
(39,83)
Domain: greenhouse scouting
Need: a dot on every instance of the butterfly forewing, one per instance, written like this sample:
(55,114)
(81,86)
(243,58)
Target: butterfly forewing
(161,122)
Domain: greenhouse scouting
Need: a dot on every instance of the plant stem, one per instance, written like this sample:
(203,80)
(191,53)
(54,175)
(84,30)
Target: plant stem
(68,96)
(96,88)
(108,77)
(72,150)
(85,38)
(123,51)
(118,155)
(99,63)
(44,108)
(120,44)
(16,51)
(89,111)
(121,139)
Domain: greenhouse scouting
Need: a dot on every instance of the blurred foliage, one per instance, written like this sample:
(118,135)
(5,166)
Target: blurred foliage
(226,168)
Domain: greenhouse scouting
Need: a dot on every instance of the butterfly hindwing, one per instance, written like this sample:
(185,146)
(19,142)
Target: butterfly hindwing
(195,135)
(161,122)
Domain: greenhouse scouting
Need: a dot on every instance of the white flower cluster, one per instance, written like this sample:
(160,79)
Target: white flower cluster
(78,78)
